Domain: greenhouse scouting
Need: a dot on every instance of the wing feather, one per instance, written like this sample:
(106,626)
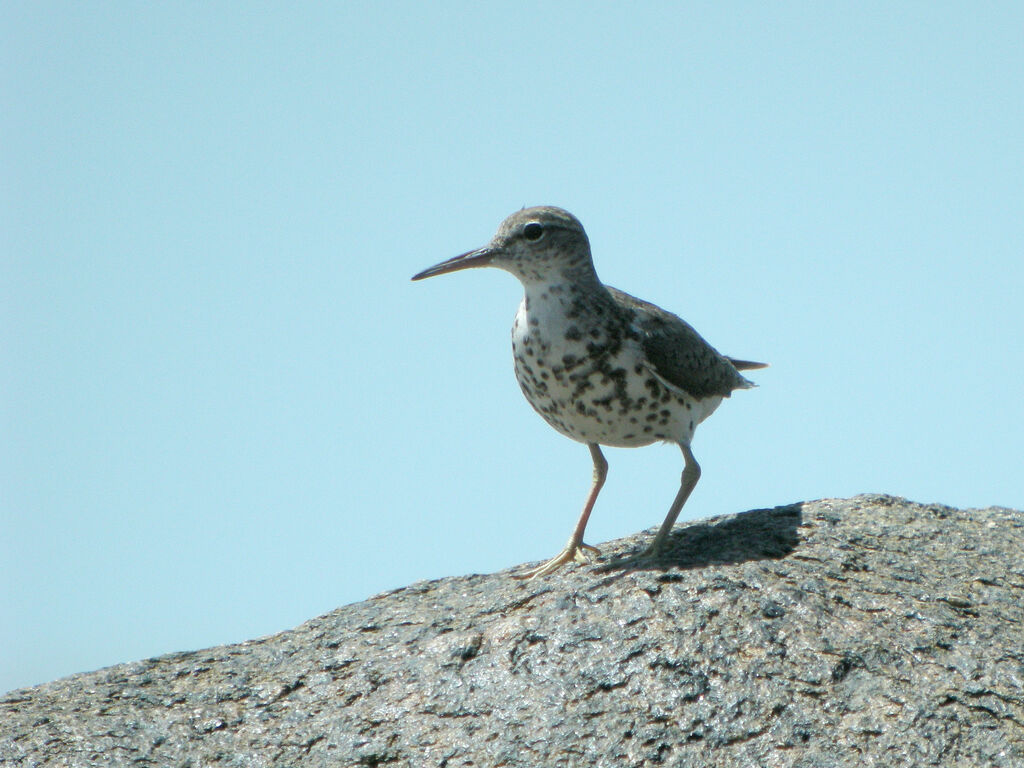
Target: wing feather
(679,356)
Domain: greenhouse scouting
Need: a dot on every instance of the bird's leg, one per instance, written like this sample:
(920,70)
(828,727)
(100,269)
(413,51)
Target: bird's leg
(691,474)
(575,549)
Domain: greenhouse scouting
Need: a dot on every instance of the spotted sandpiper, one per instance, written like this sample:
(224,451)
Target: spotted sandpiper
(599,365)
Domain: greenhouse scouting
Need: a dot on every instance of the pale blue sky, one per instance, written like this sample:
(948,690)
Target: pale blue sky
(226,409)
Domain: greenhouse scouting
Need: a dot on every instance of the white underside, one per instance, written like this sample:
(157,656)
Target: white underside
(547,338)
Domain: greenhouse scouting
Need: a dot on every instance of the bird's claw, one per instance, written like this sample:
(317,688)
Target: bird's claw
(579,553)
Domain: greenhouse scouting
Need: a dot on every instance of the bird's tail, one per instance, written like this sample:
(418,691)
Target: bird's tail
(745,365)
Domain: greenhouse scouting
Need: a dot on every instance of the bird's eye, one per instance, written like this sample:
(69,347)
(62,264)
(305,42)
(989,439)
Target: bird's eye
(533,231)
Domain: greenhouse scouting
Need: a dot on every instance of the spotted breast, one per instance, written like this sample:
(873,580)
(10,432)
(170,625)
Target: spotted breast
(580,361)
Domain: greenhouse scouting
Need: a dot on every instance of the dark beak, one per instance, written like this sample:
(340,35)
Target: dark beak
(481,257)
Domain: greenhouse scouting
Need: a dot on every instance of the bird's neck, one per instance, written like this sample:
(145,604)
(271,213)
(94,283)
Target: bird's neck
(554,303)
(578,275)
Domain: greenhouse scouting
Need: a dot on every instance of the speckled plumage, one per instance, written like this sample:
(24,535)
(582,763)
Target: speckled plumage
(599,365)
(603,367)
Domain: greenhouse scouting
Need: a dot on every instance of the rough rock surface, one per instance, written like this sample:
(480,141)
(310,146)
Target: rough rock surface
(867,631)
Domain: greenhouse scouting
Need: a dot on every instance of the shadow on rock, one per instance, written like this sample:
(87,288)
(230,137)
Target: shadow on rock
(761,534)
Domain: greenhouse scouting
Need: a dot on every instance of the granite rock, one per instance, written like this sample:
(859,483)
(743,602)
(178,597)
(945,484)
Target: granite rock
(863,631)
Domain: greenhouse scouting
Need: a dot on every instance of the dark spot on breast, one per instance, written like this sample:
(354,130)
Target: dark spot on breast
(573,333)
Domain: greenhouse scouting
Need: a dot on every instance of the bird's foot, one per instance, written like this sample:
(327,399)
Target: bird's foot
(652,553)
(573,552)
(650,556)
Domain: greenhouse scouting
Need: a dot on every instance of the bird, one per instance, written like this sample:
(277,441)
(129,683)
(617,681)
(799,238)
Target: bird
(600,366)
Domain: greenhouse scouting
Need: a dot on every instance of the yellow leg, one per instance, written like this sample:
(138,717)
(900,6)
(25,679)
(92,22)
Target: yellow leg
(575,549)
(691,474)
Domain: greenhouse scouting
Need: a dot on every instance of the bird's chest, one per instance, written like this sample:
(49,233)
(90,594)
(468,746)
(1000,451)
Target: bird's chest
(578,366)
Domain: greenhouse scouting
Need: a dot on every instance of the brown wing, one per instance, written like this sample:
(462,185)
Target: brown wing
(678,354)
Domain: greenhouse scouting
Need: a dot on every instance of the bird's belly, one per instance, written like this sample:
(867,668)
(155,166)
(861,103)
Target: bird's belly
(603,394)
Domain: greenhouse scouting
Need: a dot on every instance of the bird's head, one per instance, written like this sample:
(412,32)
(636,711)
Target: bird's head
(541,244)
